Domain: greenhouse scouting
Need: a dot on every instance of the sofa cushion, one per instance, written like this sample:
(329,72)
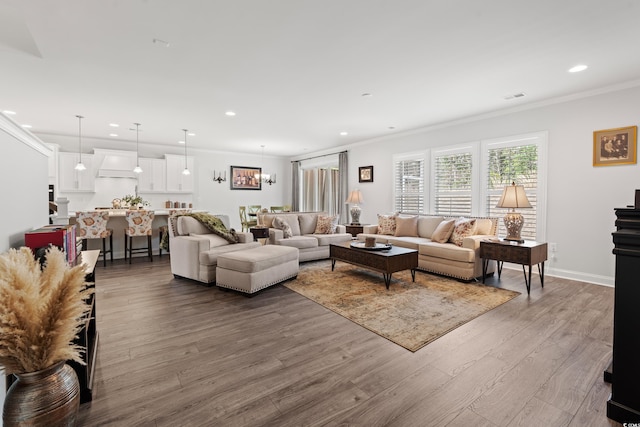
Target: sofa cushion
(214,240)
(326,224)
(387,224)
(308,223)
(406,242)
(447,251)
(463,227)
(443,231)
(188,225)
(427,225)
(210,257)
(281,224)
(327,239)
(406,226)
(300,242)
(258,259)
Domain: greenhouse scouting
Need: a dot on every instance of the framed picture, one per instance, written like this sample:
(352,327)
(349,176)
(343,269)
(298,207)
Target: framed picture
(615,146)
(245,178)
(365,173)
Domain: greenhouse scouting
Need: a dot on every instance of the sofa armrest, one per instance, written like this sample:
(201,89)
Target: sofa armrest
(341,229)
(473,242)
(370,229)
(275,234)
(245,237)
(193,244)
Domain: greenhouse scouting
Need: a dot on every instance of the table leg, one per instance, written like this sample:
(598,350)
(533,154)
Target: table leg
(413,275)
(499,268)
(527,281)
(387,279)
(333,263)
(541,273)
(485,264)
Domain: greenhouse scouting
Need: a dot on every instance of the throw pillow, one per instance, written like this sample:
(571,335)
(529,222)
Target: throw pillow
(387,224)
(326,224)
(463,227)
(443,231)
(407,226)
(282,225)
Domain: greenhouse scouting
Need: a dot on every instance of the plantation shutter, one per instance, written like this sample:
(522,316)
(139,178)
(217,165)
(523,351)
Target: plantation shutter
(452,184)
(409,184)
(519,164)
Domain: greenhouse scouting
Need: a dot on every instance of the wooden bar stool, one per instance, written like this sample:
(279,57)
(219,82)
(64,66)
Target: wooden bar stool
(138,225)
(93,225)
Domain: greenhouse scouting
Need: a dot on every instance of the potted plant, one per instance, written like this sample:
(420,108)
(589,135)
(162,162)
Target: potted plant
(134,202)
(42,309)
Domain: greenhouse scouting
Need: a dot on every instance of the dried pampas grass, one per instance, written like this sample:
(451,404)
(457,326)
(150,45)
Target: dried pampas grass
(41,310)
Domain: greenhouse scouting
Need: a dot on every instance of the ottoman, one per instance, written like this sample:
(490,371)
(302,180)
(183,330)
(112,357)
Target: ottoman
(254,269)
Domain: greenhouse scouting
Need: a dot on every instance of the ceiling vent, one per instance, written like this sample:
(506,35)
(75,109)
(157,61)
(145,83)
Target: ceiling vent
(515,95)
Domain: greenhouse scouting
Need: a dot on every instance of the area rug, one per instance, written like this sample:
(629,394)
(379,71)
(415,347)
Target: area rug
(409,314)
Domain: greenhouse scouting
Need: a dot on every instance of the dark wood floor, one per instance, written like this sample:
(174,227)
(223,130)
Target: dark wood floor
(175,353)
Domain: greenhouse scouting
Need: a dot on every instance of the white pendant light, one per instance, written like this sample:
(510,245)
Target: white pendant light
(137,169)
(80,166)
(186,169)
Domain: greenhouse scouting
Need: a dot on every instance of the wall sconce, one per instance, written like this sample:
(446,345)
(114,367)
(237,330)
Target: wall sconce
(269,179)
(219,179)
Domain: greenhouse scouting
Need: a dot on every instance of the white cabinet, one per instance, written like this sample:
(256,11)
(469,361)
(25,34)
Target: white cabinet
(153,178)
(177,182)
(72,180)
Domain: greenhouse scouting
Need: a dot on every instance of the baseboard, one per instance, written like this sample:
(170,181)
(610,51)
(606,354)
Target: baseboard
(571,275)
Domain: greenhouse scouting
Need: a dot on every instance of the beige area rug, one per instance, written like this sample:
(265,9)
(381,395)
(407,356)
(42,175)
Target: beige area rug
(408,314)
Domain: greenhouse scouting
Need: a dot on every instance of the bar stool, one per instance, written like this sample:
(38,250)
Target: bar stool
(93,225)
(138,225)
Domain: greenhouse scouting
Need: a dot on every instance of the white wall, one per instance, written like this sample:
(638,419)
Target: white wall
(581,197)
(208,195)
(24,190)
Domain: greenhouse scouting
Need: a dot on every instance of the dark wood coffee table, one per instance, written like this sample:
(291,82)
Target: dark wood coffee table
(386,262)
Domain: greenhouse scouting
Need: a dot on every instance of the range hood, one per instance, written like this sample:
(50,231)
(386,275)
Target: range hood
(117,165)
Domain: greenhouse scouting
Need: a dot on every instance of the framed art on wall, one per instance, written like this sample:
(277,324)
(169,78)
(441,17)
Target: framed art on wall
(365,173)
(615,146)
(246,178)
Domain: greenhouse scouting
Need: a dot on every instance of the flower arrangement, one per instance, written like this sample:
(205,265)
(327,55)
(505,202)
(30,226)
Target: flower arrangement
(41,310)
(134,201)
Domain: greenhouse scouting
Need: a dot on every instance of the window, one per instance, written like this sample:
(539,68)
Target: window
(452,182)
(515,161)
(409,188)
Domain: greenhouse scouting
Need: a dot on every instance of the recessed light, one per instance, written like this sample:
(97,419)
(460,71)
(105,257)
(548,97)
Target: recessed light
(27,126)
(9,113)
(230,113)
(114,125)
(578,68)
(113,134)
(191,134)
(180,142)
(344,133)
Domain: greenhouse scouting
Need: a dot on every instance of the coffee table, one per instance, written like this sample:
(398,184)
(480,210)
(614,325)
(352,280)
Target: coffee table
(387,261)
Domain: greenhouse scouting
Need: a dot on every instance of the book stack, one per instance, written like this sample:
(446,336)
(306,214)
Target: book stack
(62,236)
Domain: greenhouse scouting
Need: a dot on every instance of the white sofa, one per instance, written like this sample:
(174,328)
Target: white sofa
(461,262)
(194,248)
(312,246)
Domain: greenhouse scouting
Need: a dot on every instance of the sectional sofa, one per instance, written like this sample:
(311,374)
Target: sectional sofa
(310,232)
(440,249)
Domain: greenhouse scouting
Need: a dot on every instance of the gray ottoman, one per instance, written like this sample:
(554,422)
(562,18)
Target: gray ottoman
(254,269)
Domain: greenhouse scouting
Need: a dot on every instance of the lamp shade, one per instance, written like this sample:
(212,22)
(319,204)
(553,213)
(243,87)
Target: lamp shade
(355,197)
(514,196)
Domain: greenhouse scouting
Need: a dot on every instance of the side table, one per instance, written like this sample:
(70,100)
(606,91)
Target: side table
(260,234)
(354,229)
(527,253)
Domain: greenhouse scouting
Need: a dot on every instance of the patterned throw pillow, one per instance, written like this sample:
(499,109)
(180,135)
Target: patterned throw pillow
(387,224)
(326,224)
(282,225)
(462,228)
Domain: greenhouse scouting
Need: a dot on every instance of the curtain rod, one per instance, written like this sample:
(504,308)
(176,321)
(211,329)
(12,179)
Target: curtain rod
(322,155)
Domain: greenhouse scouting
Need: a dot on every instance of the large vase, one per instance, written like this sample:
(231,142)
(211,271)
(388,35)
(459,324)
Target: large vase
(50,397)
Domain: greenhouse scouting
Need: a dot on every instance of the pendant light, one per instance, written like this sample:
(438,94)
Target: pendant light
(186,169)
(80,166)
(137,169)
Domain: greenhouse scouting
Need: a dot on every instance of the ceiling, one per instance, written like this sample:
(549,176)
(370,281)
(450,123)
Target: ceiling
(295,71)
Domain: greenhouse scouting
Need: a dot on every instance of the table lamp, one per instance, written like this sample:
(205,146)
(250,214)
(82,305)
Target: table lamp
(513,197)
(355,198)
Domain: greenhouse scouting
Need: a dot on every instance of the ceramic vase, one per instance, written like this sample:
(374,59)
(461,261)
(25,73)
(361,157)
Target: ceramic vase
(43,398)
